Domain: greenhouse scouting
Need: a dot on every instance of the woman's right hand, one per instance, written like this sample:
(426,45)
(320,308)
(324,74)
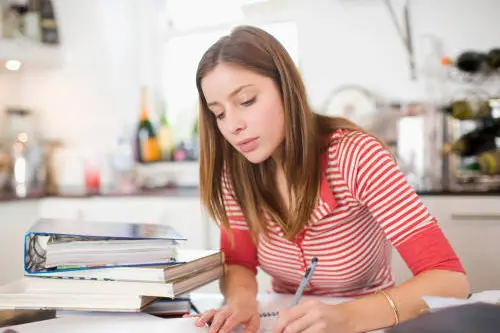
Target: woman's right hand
(237,311)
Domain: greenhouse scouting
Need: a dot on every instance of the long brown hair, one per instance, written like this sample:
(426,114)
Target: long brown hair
(254,185)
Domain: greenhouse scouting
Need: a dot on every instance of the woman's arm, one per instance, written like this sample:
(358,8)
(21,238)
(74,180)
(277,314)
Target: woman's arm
(239,281)
(374,311)
(375,180)
(240,251)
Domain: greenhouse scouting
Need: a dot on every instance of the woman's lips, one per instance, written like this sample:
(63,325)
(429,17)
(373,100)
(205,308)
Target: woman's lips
(248,145)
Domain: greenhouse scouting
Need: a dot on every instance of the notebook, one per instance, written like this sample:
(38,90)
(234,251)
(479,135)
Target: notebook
(187,261)
(269,306)
(103,236)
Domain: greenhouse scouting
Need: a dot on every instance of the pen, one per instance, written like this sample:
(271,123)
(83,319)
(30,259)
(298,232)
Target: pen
(304,282)
(194,308)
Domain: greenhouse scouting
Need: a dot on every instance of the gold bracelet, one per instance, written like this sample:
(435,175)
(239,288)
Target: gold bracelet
(393,306)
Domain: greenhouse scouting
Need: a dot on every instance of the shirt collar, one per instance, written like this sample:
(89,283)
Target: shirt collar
(327,201)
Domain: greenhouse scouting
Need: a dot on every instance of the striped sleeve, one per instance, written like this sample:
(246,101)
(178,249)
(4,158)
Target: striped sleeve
(376,181)
(241,250)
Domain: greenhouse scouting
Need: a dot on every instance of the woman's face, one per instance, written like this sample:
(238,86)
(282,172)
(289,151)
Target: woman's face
(248,109)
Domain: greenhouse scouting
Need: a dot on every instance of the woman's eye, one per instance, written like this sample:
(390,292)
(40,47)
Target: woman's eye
(249,102)
(220,116)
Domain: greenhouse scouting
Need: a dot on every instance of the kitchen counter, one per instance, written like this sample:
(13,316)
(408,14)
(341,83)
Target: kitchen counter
(195,192)
(459,193)
(160,192)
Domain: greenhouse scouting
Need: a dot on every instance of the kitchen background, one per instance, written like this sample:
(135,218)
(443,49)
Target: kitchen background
(412,72)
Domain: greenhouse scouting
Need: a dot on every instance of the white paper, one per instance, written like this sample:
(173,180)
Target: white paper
(103,323)
(436,303)
(270,302)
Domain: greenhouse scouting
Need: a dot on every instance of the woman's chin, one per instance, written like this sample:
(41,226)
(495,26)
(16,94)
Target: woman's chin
(256,156)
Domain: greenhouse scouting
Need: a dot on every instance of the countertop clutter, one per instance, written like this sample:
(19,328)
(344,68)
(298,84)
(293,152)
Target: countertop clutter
(158,192)
(194,192)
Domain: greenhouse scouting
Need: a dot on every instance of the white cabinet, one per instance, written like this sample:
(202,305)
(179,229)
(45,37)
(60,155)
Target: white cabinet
(16,218)
(182,213)
(472,225)
(62,208)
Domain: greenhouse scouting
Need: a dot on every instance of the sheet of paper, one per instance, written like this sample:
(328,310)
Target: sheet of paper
(268,303)
(112,323)
(437,303)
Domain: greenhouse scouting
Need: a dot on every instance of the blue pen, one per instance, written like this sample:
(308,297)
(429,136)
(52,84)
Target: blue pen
(305,281)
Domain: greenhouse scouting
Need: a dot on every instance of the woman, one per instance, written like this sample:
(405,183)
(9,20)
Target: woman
(287,185)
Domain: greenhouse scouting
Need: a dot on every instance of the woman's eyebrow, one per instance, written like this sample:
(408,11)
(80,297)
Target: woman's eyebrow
(237,90)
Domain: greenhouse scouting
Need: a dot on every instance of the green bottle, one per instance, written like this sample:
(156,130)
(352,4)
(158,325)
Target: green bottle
(147,149)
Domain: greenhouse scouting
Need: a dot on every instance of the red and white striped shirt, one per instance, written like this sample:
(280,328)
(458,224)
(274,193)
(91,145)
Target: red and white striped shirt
(366,206)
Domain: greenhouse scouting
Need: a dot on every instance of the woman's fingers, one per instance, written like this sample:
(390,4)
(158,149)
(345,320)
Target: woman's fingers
(229,325)
(219,320)
(206,318)
(253,325)
(191,315)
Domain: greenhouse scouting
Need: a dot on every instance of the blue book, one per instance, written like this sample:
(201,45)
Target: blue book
(56,244)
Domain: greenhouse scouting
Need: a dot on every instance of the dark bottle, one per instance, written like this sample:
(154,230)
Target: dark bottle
(147,147)
(471,62)
(477,141)
(48,23)
(463,110)
(493,58)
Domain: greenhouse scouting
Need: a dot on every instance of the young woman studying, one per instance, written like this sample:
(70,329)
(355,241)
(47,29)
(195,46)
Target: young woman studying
(287,185)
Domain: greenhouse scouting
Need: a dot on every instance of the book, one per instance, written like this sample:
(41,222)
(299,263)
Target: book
(78,244)
(108,252)
(18,317)
(20,294)
(167,307)
(86,295)
(186,261)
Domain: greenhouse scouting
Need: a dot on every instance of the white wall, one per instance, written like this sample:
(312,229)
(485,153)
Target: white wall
(96,90)
(355,41)
(340,41)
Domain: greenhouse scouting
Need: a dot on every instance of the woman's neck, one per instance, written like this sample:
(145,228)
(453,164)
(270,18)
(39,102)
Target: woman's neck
(282,186)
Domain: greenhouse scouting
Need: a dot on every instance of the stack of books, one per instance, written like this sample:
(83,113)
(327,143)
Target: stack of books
(99,266)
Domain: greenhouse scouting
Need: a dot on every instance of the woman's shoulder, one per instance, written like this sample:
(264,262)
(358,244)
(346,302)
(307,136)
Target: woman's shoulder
(348,149)
(350,140)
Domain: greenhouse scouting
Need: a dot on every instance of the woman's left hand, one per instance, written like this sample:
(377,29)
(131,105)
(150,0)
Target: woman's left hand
(313,316)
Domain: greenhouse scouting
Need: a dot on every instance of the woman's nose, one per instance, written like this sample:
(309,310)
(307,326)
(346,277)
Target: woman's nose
(235,122)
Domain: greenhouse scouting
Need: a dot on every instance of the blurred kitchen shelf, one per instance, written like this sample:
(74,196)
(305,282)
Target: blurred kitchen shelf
(30,53)
(169,166)
(161,174)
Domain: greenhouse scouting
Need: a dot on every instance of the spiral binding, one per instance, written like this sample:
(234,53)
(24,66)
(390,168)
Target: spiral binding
(269,314)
